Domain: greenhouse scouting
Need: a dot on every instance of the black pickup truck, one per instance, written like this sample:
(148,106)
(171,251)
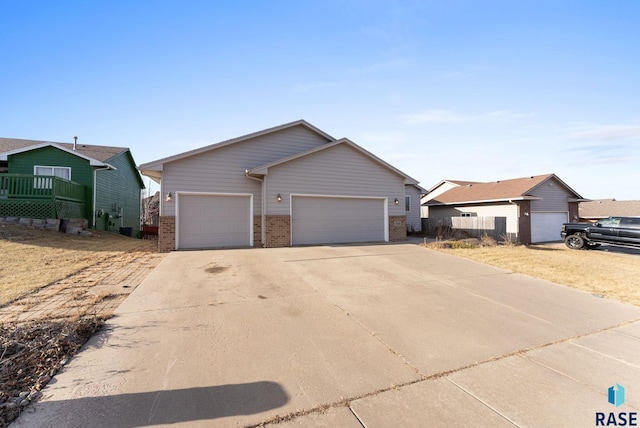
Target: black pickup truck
(613,230)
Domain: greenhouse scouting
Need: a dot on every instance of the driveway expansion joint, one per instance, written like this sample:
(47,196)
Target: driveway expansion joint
(346,402)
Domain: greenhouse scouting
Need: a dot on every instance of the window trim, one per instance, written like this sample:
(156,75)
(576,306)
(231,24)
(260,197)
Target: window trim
(407,203)
(45,183)
(53,168)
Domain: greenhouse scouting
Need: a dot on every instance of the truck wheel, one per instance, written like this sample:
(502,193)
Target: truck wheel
(575,242)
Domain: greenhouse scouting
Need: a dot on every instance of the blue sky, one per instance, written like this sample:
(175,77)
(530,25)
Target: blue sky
(463,90)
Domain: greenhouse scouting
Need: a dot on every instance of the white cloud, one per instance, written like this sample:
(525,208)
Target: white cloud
(608,133)
(448,116)
(435,116)
(506,114)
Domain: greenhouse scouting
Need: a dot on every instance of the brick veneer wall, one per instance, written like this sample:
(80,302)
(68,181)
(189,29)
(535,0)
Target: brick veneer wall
(166,234)
(524,222)
(397,228)
(573,212)
(277,231)
(257,231)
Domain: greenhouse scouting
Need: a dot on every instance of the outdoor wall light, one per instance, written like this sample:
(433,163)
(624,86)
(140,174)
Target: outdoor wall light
(168,198)
(396,201)
(279,198)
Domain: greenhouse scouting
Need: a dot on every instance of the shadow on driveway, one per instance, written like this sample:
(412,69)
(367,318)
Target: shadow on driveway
(172,406)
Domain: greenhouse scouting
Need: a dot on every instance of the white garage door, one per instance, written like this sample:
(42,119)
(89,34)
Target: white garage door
(322,220)
(213,221)
(545,227)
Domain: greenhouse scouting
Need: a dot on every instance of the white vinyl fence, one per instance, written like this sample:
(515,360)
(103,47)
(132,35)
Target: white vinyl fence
(445,227)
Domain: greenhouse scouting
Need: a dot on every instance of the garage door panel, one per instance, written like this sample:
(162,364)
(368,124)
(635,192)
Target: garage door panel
(211,221)
(323,220)
(546,226)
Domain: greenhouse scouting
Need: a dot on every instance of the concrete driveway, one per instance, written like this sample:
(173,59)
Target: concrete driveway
(347,336)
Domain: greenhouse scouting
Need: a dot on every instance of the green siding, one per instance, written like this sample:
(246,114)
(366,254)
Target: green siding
(81,171)
(119,192)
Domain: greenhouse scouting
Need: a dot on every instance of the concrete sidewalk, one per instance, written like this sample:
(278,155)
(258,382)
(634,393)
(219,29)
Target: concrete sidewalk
(379,335)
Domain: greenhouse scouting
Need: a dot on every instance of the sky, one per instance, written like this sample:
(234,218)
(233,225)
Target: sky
(462,90)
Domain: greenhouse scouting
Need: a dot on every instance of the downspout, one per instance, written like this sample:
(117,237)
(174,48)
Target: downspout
(95,178)
(263,208)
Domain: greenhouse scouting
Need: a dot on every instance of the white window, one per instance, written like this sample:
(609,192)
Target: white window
(56,171)
(407,203)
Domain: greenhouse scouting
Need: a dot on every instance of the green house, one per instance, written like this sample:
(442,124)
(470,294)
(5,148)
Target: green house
(41,179)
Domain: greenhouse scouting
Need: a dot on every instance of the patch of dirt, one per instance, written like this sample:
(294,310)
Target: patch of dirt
(44,326)
(34,258)
(31,354)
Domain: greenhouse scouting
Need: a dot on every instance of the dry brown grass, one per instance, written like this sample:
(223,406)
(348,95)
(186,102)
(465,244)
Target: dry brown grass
(31,258)
(603,273)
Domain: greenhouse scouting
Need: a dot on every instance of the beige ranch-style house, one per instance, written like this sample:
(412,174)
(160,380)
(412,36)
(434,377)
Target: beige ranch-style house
(288,185)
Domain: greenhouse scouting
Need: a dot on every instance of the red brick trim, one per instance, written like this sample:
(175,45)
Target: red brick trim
(573,212)
(277,231)
(524,222)
(166,234)
(397,228)
(257,231)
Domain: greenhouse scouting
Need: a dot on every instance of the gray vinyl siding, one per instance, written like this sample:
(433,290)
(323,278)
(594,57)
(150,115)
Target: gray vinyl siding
(223,170)
(118,191)
(554,197)
(413,217)
(509,211)
(337,171)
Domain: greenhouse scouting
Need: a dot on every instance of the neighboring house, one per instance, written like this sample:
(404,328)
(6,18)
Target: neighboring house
(535,207)
(288,185)
(603,208)
(436,190)
(41,179)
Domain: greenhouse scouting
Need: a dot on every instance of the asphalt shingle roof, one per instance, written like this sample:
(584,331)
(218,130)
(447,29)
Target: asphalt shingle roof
(516,188)
(100,153)
(601,208)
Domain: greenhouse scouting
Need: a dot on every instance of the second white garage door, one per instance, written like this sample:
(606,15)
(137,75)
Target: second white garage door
(213,221)
(333,220)
(545,227)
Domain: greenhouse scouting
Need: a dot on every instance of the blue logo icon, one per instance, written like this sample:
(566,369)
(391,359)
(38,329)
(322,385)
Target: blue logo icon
(616,395)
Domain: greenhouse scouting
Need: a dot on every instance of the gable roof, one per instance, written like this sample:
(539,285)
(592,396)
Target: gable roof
(149,167)
(456,182)
(96,155)
(495,191)
(263,169)
(602,208)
